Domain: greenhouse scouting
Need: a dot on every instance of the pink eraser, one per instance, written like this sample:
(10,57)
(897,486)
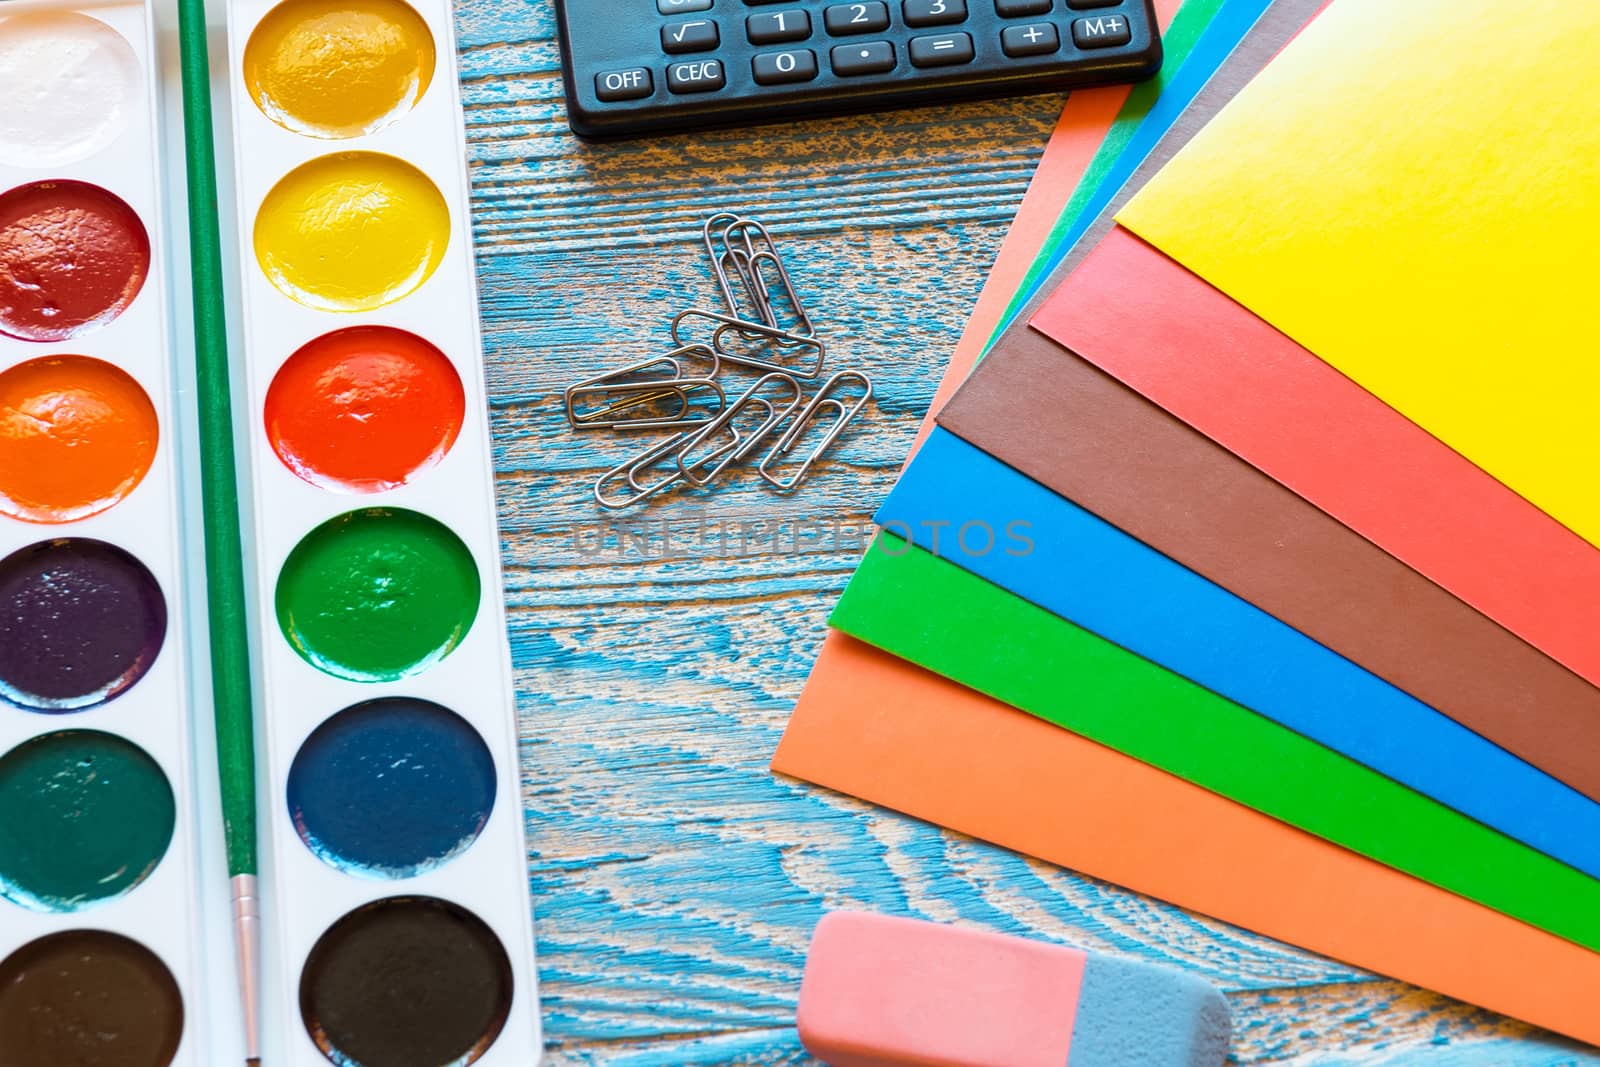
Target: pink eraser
(885,992)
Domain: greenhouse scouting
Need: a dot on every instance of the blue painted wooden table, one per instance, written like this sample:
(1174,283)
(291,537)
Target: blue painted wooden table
(676,881)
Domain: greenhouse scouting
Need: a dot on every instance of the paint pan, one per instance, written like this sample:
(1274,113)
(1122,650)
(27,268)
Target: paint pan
(392,825)
(98,849)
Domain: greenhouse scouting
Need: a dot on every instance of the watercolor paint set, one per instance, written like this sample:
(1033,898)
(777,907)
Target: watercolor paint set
(98,842)
(389,731)
(396,917)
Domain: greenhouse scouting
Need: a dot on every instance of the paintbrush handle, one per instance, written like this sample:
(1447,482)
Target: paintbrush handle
(225,578)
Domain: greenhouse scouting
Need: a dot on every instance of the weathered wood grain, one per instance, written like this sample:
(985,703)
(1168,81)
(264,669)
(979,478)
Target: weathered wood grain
(676,880)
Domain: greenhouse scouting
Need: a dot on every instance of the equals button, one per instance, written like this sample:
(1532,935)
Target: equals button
(944,50)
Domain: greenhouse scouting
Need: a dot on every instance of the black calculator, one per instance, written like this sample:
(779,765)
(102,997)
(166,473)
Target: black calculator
(655,66)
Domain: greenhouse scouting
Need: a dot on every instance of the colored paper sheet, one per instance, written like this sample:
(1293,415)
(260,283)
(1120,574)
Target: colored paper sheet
(879,728)
(874,727)
(967,507)
(1063,422)
(1180,43)
(1067,153)
(1072,147)
(973,632)
(1210,362)
(1271,32)
(1412,192)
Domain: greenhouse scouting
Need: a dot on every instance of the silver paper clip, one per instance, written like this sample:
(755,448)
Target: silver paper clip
(808,417)
(747,248)
(738,341)
(703,472)
(630,469)
(728,263)
(648,384)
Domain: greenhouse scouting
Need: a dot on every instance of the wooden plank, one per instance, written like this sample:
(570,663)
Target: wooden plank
(658,654)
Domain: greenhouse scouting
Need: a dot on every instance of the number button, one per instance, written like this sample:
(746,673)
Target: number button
(777,27)
(845,19)
(946,50)
(682,7)
(934,12)
(696,76)
(1103,31)
(1039,39)
(1010,9)
(613,85)
(780,68)
(870,57)
(697,36)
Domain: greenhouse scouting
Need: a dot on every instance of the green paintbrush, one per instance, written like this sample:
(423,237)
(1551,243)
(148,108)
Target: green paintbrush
(230,647)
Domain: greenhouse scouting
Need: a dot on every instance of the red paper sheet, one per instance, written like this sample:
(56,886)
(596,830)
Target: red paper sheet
(1164,332)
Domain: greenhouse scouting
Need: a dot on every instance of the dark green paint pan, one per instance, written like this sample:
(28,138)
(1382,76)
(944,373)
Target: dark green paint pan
(88,998)
(84,816)
(406,982)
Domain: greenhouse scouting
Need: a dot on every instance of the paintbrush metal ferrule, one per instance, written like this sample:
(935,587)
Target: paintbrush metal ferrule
(247,938)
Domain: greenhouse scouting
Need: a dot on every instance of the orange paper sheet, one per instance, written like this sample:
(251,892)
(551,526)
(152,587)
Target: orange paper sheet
(886,731)
(878,728)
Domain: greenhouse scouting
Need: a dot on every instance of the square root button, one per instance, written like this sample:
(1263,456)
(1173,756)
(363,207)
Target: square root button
(632,84)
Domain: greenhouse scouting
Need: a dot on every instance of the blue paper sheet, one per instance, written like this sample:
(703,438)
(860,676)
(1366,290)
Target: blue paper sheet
(965,506)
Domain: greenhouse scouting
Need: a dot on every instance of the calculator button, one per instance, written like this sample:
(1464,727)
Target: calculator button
(780,68)
(696,76)
(1086,5)
(844,19)
(934,12)
(632,84)
(1039,39)
(945,50)
(700,35)
(868,57)
(682,7)
(778,26)
(1010,9)
(1102,31)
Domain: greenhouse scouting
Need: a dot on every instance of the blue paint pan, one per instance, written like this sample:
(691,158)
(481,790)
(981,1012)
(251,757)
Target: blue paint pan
(391,788)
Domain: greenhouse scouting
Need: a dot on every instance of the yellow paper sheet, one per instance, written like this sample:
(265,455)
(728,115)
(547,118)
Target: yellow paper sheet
(1412,191)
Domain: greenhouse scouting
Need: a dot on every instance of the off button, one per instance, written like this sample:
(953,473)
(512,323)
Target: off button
(613,85)
(696,76)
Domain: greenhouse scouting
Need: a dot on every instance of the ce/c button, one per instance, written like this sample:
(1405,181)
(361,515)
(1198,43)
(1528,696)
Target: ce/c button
(696,76)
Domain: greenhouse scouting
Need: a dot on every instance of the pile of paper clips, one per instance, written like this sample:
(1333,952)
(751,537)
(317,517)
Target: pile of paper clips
(764,331)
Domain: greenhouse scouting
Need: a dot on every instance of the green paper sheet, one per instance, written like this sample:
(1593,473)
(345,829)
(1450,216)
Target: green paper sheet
(1179,41)
(921,608)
